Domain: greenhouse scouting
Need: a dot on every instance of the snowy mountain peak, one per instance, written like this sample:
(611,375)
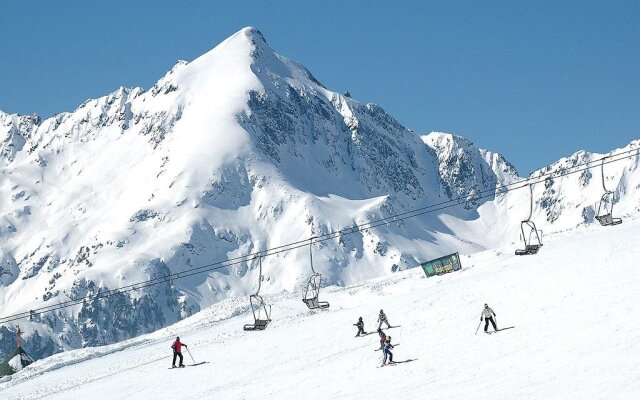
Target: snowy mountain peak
(240,49)
(252,34)
(246,38)
(248,34)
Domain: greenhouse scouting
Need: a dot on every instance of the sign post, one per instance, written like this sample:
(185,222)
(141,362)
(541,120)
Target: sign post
(442,265)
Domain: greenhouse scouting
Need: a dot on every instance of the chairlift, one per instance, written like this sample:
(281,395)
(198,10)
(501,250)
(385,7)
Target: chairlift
(261,316)
(604,209)
(312,288)
(531,236)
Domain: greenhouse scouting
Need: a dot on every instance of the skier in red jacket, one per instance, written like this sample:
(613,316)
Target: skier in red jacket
(177,352)
(383,338)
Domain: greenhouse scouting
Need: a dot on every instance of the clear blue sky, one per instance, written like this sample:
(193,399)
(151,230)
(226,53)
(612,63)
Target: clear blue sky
(534,80)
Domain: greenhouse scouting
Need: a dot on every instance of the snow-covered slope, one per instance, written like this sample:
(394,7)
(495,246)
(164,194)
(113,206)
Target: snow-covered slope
(235,152)
(573,337)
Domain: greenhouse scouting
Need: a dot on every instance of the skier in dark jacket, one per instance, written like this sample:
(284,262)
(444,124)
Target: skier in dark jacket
(383,338)
(177,352)
(387,351)
(382,318)
(360,326)
(487,315)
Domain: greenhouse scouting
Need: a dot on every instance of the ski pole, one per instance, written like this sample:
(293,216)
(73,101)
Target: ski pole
(478,328)
(188,351)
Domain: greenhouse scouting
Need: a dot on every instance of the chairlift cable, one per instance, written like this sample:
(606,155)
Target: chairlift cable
(328,236)
(259,275)
(311,254)
(530,203)
(279,249)
(294,245)
(602,174)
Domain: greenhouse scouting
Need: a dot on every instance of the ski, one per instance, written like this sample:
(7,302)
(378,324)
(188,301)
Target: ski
(499,330)
(392,363)
(504,329)
(190,365)
(404,361)
(391,327)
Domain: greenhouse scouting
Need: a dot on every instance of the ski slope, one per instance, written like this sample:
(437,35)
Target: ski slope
(576,336)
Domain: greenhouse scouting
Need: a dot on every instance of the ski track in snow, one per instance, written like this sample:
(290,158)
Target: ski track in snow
(575,337)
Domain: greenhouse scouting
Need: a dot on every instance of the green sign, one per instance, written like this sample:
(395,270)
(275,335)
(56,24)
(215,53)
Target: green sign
(442,265)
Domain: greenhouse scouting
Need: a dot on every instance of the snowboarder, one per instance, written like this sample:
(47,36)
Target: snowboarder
(387,351)
(382,318)
(383,338)
(360,326)
(487,315)
(177,352)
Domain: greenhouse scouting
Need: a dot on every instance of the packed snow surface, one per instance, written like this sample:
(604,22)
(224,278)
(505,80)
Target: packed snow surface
(572,308)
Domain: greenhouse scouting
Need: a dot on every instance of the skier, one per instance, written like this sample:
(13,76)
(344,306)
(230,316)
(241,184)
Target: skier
(487,315)
(383,318)
(177,352)
(383,338)
(360,326)
(387,351)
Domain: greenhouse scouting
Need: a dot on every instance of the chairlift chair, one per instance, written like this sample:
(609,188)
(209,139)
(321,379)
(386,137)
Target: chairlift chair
(604,208)
(531,236)
(312,288)
(259,309)
(311,291)
(532,240)
(261,316)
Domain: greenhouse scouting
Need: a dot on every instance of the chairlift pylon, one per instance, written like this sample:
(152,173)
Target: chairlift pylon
(531,237)
(604,209)
(261,317)
(312,288)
